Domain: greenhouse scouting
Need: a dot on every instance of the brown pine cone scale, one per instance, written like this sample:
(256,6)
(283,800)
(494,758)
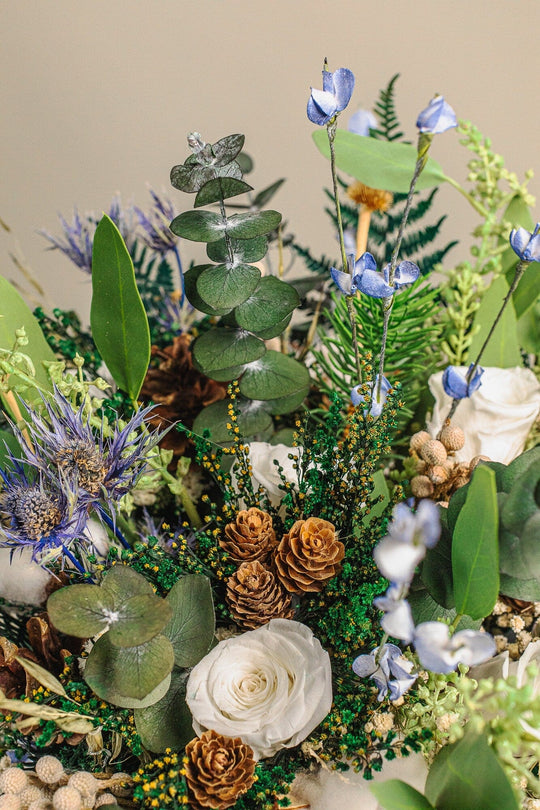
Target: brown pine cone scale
(219,770)
(250,537)
(309,555)
(255,595)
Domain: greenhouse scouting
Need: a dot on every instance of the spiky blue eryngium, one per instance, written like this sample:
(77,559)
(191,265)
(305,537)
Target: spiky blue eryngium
(526,244)
(454,381)
(377,398)
(361,122)
(365,277)
(337,90)
(437,117)
(388,668)
(155,225)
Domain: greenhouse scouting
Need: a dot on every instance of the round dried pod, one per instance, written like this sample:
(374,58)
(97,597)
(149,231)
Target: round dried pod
(105,798)
(250,537)
(438,474)
(452,437)
(39,804)
(120,784)
(13,780)
(86,783)
(474,462)
(49,769)
(255,595)
(309,555)
(10,801)
(421,466)
(67,798)
(422,487)
(418,440)
(434,452)
(32,794)
(219,769)
(460,481)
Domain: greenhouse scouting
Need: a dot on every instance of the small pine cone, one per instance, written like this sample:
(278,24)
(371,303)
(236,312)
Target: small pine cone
(452,437)
(309,555)
(255,595)
(417,441)
(218,770)
(422,487)
(250,537)
(434,452)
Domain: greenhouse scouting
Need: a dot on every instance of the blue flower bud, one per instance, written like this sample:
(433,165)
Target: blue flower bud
(455,383)
(526,244)
(337,90)
(437,117)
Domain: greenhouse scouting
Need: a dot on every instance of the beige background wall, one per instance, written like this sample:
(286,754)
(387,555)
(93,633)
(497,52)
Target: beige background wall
(97,96)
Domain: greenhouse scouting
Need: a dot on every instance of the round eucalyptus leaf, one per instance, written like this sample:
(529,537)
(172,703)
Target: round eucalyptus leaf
(281,405)
(167,723)
(189,177)
(122,582)
(227,374)
(274,376)
(154,696)
(271,302)
(220,188)
(274,331)
(139,619)
(530,545)
(244,250)
(223,286)
(249,225)
(190,281)
(245,162)
(191,627)
(80,610)
(223,348)
(226,149)
(198,226)
(253,419)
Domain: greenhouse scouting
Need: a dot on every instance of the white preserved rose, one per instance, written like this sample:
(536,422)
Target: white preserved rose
(266,474)
(271,687)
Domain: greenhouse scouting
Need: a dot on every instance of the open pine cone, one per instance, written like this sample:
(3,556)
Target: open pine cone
(255,595)
(309,555)
(219,769)
(250,537)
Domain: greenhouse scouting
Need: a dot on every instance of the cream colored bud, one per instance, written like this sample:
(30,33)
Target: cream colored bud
(434,452)
(422,487)
(418,440)
(438,474)
(452,437)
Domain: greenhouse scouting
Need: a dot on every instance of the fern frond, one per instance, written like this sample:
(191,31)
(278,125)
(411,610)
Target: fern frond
(320,266)
(388,128)
(427,263)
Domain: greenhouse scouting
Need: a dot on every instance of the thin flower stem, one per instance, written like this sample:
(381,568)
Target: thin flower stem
(475,204)
(13,405)
(181,273)
(179,489)
(113,526)
(74,560)
(362,230)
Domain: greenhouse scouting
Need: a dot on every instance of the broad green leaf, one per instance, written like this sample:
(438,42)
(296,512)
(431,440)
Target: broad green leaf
(246,163)
(426,609)
(528,327)
(525,589)
(523,499)
(223,286)
(379,164)
(191,176)
(274,375)
(530,546)
(126,702)
(167,724)
(8,444)
(475,547)
(270,303)
(223,348)
(286,404)
(397,795)
(503,347)
(226,149)
(191,277)
(131,672)
(42,676)
(119,323)
(220,188)
(250,225)
(80,610)
(468,775)
(274,331)
(436,572)
(244,250)
(511,472)
(123,582)
(191,628)
(518,215)
(138,620)
(253,419)
(14,314)
(227,374)
(198,226)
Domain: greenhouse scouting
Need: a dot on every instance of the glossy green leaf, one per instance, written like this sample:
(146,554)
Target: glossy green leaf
(167,723)
(198,226)
(220,188)
(271,302)
(274,331)
(253,419)
(223,286)
(191,627)
(274,375)
(226,149)
(138,620)
(14,313)
(80,610)
(131,672)
(475,547)
(524,589)
(436,572)
(397,795)
(503,348)
(191,176)
(119,323)
(250,225)
(426,609)
(223,348)
(523,499)
(123,582)
(286,404)
(191,277)
(468,775)
(243,250)
(267,193)
(379,164)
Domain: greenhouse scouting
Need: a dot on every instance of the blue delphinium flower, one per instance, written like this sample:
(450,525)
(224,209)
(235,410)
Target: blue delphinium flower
(438,651)
(409,535)
(454,381)
(361,122)
(365,277)
(397,620)
(388,668)
(337,90)
(377,397)
(437,117)
(526,244)
(155,225)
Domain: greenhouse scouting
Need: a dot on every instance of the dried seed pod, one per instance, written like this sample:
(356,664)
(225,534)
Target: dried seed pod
(452,437)
(438,474)
(434,452)
(49,769)
(32,794)
(13,780)
(105,798)
(86,783)
(67,798)
(474,462)
(10,801)
(417,441)
(422,487)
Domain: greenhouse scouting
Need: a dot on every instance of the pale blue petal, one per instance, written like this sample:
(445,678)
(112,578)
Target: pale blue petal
(519,239)
(437,117)
(327,81)
(342,280)
(343,80)
(406,273)
(361,122)
(321,107)
(454,383)
(373,284)
(473,647)
(365,262)
(476,380)
(364,666)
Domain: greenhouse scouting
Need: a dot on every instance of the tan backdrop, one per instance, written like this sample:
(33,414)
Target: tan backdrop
(98,95)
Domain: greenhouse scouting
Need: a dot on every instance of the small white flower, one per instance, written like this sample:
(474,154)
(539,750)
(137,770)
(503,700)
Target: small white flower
(265,472)
(440,652)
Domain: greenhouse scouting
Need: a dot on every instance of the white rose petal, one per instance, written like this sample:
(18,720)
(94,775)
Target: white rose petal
(271,687)
(265,473)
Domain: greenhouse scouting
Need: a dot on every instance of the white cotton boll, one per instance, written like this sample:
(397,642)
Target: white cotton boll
(98,536)
(22,580)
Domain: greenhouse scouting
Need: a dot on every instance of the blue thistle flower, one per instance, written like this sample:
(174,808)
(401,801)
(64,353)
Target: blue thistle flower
(156,232)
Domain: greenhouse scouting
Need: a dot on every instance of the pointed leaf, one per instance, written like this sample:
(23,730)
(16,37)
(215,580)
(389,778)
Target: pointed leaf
(397,795)
(119,323)
(244,250)
(274,375)
(274,331)
(503,347)
(267,193)
(226,149)
(224,286)
(123,582)
(198,226)
(248,226)
(220,188)
(167,724)
(141,618)
(42,676)
(271,302)
(253,419)
(191,628)
(191,277)
(222,348)
(80,610)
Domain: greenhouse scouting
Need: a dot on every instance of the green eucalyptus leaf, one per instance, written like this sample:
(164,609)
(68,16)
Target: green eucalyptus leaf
(436,571)
(192,624)
(269,304)
(191,277)
(379,164)
(119,323)
(198,226)
(397,795)
(227,374)
(220,188)
(253,419)
(223,348)
(503,347)
(280,405)
(129,672)
(525,589)
(224,286)
(80,610)
(139,619)
(123,582)
(475,547)
(167,723)
(245,162)
(523,499)
(243,250)
(192,175)
(126,702)
(267,193)
(511,472)
(226,149)
(425,609)
(250,225)
(274,331)
(274,375)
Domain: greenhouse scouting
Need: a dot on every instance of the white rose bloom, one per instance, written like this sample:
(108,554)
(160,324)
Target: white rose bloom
(265,473)
(497,418)
(271,687)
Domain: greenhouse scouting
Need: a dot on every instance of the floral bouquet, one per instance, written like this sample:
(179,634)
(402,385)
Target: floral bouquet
(269,538)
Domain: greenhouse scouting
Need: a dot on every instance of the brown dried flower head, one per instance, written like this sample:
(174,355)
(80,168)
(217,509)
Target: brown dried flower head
(375,199)
(250,537)
(219,770)
(255,595)
(309,555)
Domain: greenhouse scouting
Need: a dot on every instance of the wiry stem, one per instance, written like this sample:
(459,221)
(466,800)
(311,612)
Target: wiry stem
(362,230)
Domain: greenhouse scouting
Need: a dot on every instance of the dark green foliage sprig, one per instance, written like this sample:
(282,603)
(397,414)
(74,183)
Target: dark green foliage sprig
(66,337)
(154,276)
(385,108)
